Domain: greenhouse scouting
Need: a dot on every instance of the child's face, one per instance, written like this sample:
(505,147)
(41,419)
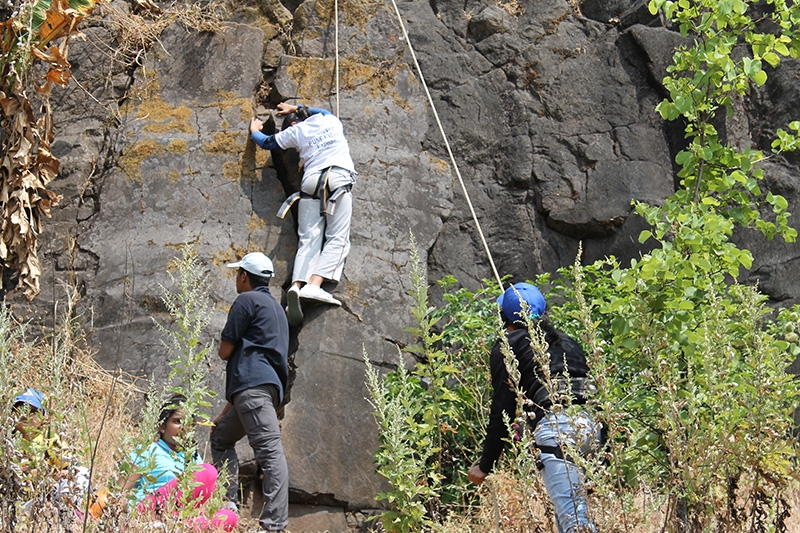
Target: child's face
(172,428)
(29,421)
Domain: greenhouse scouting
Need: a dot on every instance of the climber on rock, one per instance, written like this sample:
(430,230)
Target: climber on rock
(326,203)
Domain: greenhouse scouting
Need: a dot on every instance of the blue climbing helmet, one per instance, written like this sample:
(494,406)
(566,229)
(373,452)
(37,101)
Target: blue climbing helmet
(32,397)
(510,302)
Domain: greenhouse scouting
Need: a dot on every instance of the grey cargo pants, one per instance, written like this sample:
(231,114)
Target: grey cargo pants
(253,414)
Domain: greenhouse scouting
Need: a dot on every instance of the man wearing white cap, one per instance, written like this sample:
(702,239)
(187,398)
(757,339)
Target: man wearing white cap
(255,344)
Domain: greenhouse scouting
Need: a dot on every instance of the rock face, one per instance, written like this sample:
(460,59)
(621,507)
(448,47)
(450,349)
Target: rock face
(549,112)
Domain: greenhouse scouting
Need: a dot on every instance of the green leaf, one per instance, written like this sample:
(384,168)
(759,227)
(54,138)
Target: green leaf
(746,259)
(683,157)
(772,58)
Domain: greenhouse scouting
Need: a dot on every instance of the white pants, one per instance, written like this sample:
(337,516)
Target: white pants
(323,241)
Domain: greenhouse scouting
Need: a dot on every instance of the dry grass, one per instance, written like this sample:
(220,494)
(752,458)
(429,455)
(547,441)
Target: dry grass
(138,30)
(83,398)
(508,506)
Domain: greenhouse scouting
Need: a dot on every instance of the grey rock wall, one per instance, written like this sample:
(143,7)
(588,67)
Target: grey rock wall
(549,111)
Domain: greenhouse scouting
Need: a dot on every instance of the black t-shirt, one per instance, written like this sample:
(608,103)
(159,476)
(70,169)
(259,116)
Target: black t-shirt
(561,349)
(258,329)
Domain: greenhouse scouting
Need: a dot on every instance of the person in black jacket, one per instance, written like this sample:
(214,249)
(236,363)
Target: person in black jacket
(568,375)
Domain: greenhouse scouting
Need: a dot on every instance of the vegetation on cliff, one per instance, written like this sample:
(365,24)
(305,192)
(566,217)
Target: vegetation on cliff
(32,31)
(72,480)
(690,365)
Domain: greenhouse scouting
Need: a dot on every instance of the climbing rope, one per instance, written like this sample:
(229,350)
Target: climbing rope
(336,48)
(447,145)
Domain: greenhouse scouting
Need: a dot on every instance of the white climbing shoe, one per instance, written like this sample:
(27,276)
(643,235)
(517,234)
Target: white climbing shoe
(312,292)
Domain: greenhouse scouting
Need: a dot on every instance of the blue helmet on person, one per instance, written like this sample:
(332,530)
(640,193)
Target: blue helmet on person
(32,397)
(511,302)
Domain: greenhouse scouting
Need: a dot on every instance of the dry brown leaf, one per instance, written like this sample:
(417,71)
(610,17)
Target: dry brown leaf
(10,106)
(27,164)
(59,76)
(54,56)
(44,90)
(60,21)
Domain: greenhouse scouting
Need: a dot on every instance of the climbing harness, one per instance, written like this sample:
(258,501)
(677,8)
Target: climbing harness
(321,190)
(580,389)
(327,197)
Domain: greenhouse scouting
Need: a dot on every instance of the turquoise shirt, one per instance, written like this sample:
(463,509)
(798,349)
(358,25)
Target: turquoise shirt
(159,464)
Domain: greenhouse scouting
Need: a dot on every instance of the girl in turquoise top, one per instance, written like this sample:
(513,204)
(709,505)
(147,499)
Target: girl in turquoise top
(165,461)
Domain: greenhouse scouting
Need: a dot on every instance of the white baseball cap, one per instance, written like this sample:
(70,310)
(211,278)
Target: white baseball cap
(255,263)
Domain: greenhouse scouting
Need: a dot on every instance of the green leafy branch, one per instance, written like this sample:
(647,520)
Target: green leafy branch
(704,79)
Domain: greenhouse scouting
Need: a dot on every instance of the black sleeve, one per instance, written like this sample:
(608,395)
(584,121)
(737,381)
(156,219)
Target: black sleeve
(503,400)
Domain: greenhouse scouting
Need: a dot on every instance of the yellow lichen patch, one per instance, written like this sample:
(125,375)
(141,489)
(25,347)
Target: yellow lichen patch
(247,162)
(253,17)
(312,75)
(380,82)
(226,99)
(131,160)
(178,146)
(224,143)
(355,13)
(353,290)
(164,118)
(255,223)
(231,170)
(313,78)
(173,176)
(223,257)
(180,246)
(440,166)
(262,158)
(246,111)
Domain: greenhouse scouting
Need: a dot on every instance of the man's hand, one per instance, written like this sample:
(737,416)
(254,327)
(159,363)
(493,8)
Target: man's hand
(216,420)
(256,125)
(285,109)
(476,475)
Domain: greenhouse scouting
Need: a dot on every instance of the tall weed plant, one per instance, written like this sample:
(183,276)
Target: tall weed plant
(44,479)
(45,486)
(430,418)
(188,306)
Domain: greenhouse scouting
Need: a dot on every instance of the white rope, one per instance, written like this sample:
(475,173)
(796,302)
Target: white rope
(336,46)
(447,145)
